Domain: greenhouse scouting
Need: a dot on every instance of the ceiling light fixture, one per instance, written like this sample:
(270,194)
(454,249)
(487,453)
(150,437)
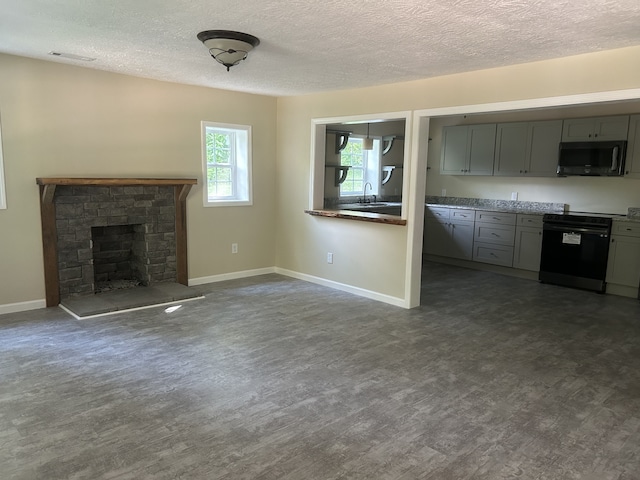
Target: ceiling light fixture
(227,47)
(367,143)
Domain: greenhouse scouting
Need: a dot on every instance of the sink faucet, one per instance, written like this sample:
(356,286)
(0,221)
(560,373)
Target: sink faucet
(364,198)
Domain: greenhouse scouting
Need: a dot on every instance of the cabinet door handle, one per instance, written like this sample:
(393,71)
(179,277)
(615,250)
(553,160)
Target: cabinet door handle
(495,234)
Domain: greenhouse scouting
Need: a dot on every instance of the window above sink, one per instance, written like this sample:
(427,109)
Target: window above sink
(347,176)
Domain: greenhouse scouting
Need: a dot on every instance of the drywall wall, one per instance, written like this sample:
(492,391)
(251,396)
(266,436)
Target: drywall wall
(382,254)
(62,120)
(599,194)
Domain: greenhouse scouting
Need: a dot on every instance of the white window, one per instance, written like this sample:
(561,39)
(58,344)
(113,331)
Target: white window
(364,168)
(3,198)
(226,157)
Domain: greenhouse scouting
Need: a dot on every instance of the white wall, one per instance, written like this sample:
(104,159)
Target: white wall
(61,120)
(378,257)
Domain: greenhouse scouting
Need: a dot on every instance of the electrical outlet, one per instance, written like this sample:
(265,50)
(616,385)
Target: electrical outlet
(329,257)
(444,192)
(234,248)
(514,195)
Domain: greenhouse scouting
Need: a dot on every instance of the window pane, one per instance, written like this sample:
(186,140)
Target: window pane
(353,155)
(219,147)
(227,164)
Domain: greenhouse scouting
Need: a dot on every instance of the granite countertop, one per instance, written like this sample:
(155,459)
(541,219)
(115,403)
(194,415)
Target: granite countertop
(514,206)
(503,206)
(625,218)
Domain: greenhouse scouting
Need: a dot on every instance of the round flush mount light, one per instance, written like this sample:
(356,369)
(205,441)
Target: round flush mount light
(227,47)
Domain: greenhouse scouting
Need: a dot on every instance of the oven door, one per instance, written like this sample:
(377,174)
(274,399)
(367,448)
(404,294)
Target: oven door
(574,256)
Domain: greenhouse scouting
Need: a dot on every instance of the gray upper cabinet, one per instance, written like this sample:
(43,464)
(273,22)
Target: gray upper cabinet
(544,145)
(511,149)
(597,128)
(527,148)
(468,149)
(632,163)
(454,159)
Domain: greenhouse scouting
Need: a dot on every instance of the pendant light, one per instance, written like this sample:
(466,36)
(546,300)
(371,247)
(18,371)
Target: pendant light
(367,143)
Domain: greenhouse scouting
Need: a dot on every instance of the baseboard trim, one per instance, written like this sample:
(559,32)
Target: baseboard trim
(22,306)
(231,276)
(361,292)
(622,290)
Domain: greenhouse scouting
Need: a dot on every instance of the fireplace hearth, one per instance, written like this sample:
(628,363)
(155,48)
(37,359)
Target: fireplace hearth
(103,234)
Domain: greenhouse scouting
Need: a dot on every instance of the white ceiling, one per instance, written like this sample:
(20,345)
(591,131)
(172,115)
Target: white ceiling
(312,46)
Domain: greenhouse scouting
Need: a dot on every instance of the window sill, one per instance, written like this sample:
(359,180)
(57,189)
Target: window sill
(360,216)
(228,203)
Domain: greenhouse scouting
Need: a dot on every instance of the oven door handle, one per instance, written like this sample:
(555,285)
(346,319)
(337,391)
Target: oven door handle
(571,229)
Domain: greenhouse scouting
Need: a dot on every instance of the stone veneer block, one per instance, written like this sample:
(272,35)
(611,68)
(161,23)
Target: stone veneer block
(78,208)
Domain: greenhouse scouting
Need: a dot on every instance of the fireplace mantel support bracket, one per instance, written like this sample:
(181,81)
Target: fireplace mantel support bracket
(50,235)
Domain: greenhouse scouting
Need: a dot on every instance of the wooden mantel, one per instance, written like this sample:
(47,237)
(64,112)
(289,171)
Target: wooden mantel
(49,233)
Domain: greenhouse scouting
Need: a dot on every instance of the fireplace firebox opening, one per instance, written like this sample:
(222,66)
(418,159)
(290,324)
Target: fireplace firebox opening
(118,257)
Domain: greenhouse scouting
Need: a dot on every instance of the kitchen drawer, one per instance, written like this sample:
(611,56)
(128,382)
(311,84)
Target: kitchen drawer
(496,234)
(495,217)
(462,214)
(526,220)
(495,254)
(440,213)
(628,229)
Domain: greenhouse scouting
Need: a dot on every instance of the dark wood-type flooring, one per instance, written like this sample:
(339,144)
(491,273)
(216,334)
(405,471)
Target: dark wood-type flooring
(274,378)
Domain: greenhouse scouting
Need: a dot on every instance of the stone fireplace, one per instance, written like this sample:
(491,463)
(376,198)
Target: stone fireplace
(120,257)
(103,234)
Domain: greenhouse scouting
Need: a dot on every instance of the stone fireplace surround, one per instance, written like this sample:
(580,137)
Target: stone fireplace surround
(71,207)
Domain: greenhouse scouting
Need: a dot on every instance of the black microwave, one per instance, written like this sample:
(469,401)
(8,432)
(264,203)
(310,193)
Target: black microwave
(592,158)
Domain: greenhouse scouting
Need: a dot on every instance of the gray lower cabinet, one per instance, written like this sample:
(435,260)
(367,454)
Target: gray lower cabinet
(494,254)
(528,242)
(632,162)
(494,237)
(449,233)
(623,267)
(497,238)
(468,149)
(527,148)
(528,246)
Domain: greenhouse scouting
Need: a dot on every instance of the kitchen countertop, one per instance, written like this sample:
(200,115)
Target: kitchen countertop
(513,206)
(528,211)
(503,206)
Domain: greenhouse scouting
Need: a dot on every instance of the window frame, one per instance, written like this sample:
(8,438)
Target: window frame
(3,194)
(371,168)
(241,176)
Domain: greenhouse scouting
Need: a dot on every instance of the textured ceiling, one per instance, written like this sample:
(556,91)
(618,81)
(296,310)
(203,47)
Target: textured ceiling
(311,46)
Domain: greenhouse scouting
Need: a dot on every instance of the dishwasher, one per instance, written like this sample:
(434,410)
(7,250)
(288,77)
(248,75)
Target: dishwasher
(575,250)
